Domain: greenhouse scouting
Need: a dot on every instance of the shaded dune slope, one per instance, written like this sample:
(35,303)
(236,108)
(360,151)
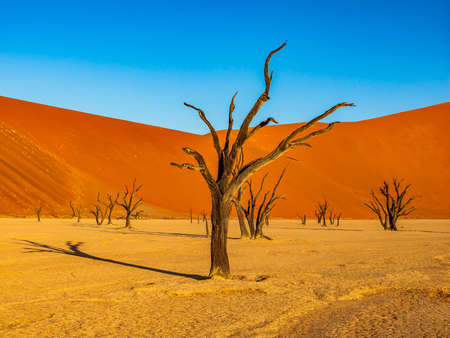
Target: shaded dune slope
(50,155)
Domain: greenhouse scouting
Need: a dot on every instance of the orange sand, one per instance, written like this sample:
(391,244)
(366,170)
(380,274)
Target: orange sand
(54,155)
(354,281)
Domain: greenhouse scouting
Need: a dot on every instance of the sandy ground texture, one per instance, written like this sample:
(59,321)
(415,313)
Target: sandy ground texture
(60,278)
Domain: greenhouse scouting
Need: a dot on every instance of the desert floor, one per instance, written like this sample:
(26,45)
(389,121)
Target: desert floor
(62,278)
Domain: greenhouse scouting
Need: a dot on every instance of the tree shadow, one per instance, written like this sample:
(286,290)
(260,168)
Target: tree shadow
(134,231)
(431,231)
(175,234)
(73,249)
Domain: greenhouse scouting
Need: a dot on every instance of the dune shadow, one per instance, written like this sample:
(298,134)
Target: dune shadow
(73,249)
(323,229)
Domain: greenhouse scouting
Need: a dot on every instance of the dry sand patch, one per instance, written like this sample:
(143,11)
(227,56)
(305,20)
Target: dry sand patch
(60,278)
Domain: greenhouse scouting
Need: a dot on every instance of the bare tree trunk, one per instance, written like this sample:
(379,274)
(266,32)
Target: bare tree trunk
(241,219)
(331,217)
(127,220)
(393,224)
(251,226)
(259,230)
(338,220)
(110,205)
(110,210)
(79,212)
(73,210)
(319,217)
(38,213)
(220,214)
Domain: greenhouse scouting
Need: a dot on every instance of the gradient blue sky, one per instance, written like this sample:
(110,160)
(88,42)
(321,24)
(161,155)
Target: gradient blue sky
(140,60)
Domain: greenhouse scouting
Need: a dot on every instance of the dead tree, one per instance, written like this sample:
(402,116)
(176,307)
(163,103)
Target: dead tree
(207,227)
(331,217)
(318,216)
(257,214)
(266,219)
(249,211)
(392,204)
(267,206)
(190,215)
(304,220)
(79,211)
(205,220)
(321,212)
(129,203)
(109,205)
(99,214)
(241,215)
(138,214)
(72,208)
(338,219)
(237,200)
(223,185)
(38,213)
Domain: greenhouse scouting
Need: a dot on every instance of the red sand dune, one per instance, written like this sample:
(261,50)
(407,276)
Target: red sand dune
(50,155)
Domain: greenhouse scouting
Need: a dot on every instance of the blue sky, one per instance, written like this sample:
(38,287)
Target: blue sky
(140,60)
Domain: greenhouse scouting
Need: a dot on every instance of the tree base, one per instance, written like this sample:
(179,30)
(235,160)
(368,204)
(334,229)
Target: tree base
(218,274)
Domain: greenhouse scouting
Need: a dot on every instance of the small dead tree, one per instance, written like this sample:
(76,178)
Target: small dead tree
(338,219)
(257,214)
(138,214)
(304,220)
(38,213)
(109,205)
(318,216)
(224,185)
(331,217)
(392,204)
(241,215)
(79,211)
(129,203)
(207,228)
(237,200)
(321,212)
(72,208)
(205,220)
(99,214)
